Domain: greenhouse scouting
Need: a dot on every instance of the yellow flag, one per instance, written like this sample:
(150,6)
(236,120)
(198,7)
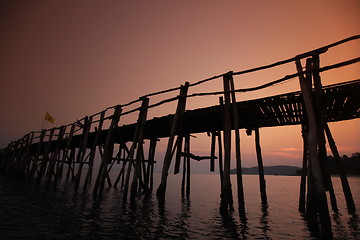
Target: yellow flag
(49,118)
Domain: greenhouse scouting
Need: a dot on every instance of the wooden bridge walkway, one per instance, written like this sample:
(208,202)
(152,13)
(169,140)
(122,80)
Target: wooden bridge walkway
(340,102)
(50,153)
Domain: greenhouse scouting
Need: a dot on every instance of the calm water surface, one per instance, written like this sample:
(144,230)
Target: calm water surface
(31,211)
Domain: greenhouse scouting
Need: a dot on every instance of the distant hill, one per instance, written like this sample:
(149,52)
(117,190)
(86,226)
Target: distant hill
(270,170)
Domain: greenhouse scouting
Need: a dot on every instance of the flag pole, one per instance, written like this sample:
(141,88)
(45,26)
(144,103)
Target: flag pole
(42,127)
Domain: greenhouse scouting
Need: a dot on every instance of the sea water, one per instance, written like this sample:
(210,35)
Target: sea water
(45,211)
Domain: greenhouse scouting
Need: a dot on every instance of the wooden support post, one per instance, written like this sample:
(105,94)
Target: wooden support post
(237,146)
(65,152)
(82,148)
(178,146)
(187,158)
(37,153)
(221,167)
(261,168)
(108,151)
(226,192)
(18,164)
(140,151)
(315,178)
(139,128)
(19,154)
(320,121)
(27,159)
(212,152)
(344,182)
(93,151)
(122,171)
(304,169)
(183,180)
(45,156)
(177,121)
(123,175)
(16,156)
(55,158)
(70,162)
(59,147)
(150,166)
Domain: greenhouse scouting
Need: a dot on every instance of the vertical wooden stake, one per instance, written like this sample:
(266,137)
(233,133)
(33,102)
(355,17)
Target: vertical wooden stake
(168,155)
(183,180)
(37,153)
(319,111)
(93,150)
(70,162)
(226,192)
(108,151)
(314,173)
(139,153)
(27,161)
(187,158)
(261,168)
(65,152)
(150,166)
(220,158)
(178,145)
(55,159)
(237,148)
(45,156)
(304,169)
(82,148)
(212,152)
(344,182)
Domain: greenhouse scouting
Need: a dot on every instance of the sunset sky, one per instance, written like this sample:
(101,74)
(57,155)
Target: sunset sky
(76,58)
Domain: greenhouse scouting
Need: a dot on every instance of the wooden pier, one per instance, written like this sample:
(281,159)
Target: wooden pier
(61,152)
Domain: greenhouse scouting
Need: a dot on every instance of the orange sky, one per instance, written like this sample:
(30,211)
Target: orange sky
(75,58)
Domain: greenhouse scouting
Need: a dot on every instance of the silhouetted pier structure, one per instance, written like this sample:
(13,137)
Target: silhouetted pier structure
(62,152)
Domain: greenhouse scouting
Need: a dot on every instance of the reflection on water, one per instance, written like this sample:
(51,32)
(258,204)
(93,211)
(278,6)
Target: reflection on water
(264,221)
(46,211)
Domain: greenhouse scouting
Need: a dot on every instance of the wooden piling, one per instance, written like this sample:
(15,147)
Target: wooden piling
(226,192)
(139,152)
(212,152)
(314,173)
(122,154)
(237,146)
(93,150)
(135,145)
(82,148)
(168,155)
(344,182)
(320,121)
(261,168)
(187,159)
(18,155)
(150,166)
(71,162)
(221,167)
(108,151)
(37,153)
(65,153)
(55,159)
(26,161)
(302,198)
(45,156)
